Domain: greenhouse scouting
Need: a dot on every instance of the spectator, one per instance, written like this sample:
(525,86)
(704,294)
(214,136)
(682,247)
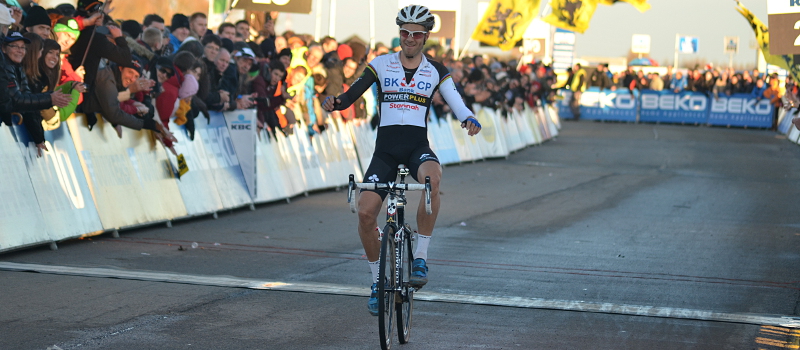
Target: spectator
(227,30)
(349,68)
(179,31)
(271,90)
(329,44)
(154,21)
(24,99)
(198,25)
(224,80)
(600,79)
(314,59)
(244,61)
(243,28)
(50,79)
(758,89)
(38,22)
(211,46)
(115,50)
(656,84)
(678,84)
(5,100)
(639,83)
(268,32)
(773,93)
(132,29)
(578,86)
(720,85)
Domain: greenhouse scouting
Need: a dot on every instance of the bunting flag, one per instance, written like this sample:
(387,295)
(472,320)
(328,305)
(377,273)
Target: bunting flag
(641,5)
(762,36)
(505,21)
(571,14)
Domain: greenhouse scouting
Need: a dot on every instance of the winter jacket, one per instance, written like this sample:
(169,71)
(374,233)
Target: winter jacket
(25,101)
(165,102)
(101,48)
(104,99)
(5,85)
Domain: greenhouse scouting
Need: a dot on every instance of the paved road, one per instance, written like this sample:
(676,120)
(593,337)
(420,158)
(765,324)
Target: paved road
(614,236)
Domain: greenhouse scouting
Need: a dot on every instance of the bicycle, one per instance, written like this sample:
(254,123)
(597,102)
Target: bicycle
(395,295)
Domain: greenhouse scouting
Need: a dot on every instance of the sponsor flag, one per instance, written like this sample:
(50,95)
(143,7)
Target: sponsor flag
(762,36)
(505,21)
(641,5)
(571,14)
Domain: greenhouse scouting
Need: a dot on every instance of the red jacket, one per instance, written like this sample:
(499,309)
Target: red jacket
(165,102)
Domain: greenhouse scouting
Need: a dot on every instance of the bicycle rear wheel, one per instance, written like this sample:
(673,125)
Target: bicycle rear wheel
(406,303)
(387,284)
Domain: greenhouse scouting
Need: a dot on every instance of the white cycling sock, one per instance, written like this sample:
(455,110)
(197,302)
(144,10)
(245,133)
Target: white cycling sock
(422,247)
(373,267)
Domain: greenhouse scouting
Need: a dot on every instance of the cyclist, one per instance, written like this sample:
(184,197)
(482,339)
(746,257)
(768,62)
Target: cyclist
(406,83)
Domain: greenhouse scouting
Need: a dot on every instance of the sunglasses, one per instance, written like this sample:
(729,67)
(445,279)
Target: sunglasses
(416,35)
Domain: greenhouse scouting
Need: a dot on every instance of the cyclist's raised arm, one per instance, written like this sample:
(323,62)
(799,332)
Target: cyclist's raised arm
(358,88)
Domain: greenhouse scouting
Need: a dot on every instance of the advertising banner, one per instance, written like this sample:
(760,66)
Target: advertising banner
(242,128)
(524,128)
(439,135)
(221,155)
(668,107)
(741,110)
(619,105)
(59,182)
(21,220)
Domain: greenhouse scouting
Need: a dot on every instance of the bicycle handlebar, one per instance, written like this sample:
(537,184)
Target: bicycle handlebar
(351,193)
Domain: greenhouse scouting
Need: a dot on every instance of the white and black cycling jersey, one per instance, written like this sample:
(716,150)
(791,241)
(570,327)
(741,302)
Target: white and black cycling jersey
(405,95)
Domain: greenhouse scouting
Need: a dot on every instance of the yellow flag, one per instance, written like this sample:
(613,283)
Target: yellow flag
(571,14)
(640,5)
(762,36)
(505,21)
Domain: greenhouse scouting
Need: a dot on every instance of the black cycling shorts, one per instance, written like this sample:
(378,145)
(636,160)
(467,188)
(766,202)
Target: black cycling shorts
(395,145)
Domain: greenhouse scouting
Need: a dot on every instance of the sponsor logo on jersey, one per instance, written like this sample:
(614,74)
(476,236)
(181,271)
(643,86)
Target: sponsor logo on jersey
(405,97)
(404,106)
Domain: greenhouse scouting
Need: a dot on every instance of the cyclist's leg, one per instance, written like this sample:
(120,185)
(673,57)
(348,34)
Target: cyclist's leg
(382,168)
(369,205)
(425,164)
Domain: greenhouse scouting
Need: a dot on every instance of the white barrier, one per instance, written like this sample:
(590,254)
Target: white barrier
(21,222)
(128,178)
(92,181)
(60,185)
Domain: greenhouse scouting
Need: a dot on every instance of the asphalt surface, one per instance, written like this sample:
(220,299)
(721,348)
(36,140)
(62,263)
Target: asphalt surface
(695,224)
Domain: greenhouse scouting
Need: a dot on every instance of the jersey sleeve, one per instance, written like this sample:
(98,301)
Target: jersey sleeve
(369,77)
(450,94)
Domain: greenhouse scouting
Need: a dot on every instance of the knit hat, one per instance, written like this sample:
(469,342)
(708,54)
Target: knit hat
(179,21)
(133,28)
(5,16)
(246,52)
(344,51)
(37,15)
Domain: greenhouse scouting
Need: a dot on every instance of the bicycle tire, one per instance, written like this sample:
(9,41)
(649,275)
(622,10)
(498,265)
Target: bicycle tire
(386,288)
(405,305)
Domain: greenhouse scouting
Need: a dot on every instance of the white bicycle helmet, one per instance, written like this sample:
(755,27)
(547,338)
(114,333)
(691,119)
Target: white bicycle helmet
(415,14)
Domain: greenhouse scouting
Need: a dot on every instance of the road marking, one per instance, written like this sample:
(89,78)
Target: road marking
(338,289)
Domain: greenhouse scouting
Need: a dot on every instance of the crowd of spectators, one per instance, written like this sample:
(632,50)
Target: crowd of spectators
(78,58)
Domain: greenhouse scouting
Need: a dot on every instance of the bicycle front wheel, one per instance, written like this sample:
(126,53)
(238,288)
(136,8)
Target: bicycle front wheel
(387,285)
(405,304)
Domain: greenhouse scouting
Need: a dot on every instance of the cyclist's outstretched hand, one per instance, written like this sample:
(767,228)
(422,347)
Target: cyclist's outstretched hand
(472,126)
(330,103)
